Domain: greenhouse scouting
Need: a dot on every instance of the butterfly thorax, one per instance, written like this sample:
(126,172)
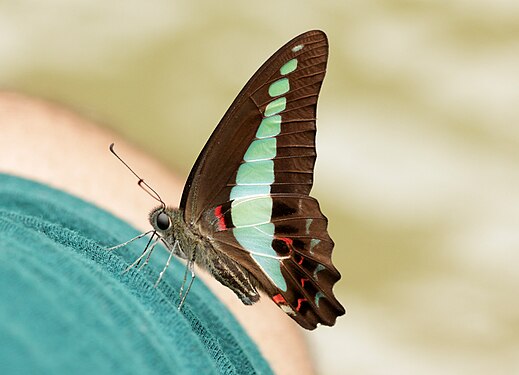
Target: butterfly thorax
(186,242)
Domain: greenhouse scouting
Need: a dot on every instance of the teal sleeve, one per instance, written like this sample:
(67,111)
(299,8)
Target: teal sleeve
(68,308)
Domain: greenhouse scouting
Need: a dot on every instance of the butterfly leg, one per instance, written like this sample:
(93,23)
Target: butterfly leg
(183,281)
(147,249)
(185,276)
(166,265)
(149,254)
(127,242)
(190,266)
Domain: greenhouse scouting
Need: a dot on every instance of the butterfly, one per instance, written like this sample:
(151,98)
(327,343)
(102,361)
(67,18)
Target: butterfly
(245,214)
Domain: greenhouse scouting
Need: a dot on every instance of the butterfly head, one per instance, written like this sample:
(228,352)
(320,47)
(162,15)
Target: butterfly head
(165,221)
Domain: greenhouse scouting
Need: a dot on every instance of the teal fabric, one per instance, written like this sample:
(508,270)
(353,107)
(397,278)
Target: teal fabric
(68,308)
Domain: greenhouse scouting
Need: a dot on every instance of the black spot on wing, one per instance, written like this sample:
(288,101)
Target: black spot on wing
(280,209)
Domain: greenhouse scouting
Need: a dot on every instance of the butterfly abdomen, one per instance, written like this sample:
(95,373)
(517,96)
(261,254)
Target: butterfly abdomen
(230,274)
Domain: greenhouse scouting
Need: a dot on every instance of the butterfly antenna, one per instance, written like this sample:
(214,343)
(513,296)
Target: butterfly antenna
(143,185)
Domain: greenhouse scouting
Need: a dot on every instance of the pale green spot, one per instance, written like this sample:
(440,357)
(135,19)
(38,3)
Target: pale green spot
(319,268)
(280,87)
(298,48)
(276,106)
(313,243)
(269,127)
(318,296)
(256,173)
(289,67)
(261,149)
(308,223)
(244,191)
(251,211)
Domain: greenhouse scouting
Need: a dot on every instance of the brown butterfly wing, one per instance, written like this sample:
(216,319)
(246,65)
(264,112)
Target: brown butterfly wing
(248,190)
(213,174)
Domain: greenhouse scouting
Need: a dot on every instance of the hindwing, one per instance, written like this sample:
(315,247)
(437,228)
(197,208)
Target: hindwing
(290,255)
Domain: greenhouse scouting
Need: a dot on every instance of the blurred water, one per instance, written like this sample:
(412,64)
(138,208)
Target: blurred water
(418,146)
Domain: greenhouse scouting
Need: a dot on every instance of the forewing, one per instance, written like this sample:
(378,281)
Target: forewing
(280,100)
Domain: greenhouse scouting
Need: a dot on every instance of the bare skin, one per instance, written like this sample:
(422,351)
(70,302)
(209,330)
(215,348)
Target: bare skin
(52,145)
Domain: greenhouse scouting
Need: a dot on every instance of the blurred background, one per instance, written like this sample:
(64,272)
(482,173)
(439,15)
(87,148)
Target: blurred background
(418,146)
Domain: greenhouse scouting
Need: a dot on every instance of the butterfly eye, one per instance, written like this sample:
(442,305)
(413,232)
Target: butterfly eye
(163,221)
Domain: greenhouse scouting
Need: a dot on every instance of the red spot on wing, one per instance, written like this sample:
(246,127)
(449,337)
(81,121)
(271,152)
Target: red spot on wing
(299,303)
(286,240)
(278,298)
(303,280)
(220,217)
(300,262)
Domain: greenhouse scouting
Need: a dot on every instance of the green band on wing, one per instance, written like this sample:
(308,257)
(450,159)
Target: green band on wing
(272,268)
(256,173)
(280,87)
(289,67)
(258,239)
(269,127)
(261,149)
(245,191)
(276,106)
(251,207)
(251,211)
